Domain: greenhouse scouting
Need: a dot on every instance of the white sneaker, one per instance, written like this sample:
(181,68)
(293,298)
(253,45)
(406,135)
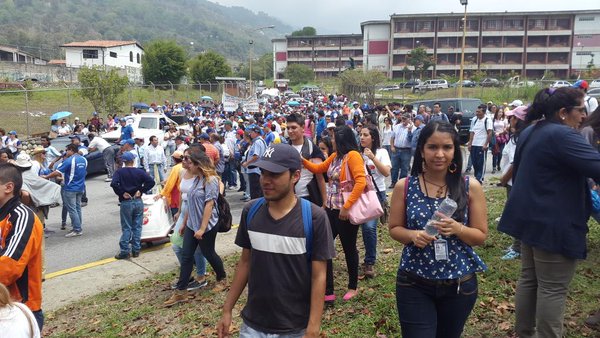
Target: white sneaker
(108,179)
(74,233)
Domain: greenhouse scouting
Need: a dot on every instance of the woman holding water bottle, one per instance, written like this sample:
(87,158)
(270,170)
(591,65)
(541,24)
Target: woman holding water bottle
(436,285)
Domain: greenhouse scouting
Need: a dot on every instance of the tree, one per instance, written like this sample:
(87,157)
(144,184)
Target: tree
(164,61)
(261,69)
(305,31)
(207,66)
(298,73)
(356,83)
(419,59)
(103,88)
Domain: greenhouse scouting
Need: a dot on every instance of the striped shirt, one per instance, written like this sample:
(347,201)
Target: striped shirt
(400,136)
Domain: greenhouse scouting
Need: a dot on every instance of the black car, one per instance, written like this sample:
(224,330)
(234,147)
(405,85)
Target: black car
(490,82)
(466,107)
(95,159)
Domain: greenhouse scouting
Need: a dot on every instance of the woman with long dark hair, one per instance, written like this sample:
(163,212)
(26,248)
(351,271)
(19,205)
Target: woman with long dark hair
(549,207)
(379,167)
(500,124)
(436,285)
(345,164)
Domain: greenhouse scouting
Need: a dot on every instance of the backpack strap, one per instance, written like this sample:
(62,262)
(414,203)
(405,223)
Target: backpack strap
(253,210)
(308,228)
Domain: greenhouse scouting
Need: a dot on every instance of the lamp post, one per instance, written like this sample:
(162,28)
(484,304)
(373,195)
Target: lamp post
(462,52)
(250,52)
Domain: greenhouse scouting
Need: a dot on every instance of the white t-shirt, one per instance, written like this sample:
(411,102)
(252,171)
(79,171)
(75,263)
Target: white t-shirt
(17,321)
(305,176)
(500,126)
(387,136)
(508,157)
(99,143)
(383,157)
(479,130)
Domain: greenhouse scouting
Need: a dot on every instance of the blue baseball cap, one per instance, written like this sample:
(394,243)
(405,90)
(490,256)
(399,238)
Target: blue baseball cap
(128,156)
(204,136)
(128,141)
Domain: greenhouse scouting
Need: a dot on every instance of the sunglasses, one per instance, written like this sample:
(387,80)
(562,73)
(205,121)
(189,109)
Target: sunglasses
(186,158)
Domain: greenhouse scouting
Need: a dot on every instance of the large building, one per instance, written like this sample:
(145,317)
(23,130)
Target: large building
(119,54)
(526,43)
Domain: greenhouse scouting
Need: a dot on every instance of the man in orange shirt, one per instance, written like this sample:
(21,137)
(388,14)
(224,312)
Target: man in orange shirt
(211,150)
(21,235)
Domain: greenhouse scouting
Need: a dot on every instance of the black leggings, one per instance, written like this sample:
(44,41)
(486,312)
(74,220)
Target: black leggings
(348,233)
(207,245)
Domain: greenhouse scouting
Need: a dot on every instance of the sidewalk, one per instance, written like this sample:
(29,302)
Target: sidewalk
(69,287)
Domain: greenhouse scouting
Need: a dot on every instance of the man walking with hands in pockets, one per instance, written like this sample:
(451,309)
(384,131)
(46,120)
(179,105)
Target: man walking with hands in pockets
(286,243)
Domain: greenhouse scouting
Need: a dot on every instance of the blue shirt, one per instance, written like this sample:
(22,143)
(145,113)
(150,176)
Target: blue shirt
(131,180)
(126,132)
(462,259)
(74,170)
(414,137)
(257,148)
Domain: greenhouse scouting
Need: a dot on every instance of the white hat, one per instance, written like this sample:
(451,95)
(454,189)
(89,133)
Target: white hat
(516,103)
(330,125)
(22,161)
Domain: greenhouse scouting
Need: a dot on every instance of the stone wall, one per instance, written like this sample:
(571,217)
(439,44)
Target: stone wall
(12,71)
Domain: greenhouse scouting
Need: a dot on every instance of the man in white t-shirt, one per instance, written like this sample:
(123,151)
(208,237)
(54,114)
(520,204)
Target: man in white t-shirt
(310,186)
(480,134)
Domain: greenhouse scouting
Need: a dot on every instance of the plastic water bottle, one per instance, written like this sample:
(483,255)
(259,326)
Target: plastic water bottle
(446,208)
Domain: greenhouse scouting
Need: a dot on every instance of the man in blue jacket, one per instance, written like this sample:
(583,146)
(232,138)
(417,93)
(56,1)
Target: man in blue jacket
(73,169)
(129,183)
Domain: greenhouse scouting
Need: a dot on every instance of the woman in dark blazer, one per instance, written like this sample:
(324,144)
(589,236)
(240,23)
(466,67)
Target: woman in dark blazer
(549,207)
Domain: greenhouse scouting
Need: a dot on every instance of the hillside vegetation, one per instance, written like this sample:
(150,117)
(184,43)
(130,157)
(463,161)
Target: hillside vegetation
(41,26)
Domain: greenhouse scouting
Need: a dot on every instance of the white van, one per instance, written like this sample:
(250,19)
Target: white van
(430,85)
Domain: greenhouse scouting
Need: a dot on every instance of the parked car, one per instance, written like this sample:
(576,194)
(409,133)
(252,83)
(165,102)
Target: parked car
(310,89)
(595,84)
(464,106)
(94,159)
(560,83)
(145,125)
(490,82)
(595,92)
(430,85)
(523,84)
(465,83)
(410,83)
(389,88)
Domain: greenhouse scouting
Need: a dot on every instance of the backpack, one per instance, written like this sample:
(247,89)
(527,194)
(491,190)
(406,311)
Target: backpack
(225,219)
(306,220)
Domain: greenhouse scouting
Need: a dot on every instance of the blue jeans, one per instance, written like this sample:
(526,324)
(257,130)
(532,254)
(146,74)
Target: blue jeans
(248,332)
(39,318)
(72,200)
(400,163)
(428,308)
(199,259)
(369,234)
(478,159)
(160,169)
(132,213)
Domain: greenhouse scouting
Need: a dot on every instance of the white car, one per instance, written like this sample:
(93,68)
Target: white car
(430,85)
(560,83)
(595,84)
(523,84)
(144,125)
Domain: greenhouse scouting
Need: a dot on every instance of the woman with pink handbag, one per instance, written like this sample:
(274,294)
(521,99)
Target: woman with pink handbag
(345,164)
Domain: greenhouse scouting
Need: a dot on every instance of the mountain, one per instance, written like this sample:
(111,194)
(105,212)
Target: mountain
(41,26)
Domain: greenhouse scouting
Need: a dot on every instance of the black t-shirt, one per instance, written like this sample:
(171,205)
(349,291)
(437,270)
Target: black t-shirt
(279,282)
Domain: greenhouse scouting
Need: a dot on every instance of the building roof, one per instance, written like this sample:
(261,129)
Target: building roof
(488,14)
(102,43)
(308,37)
(9,49)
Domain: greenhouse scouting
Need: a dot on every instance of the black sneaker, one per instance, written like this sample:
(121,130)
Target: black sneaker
(241,189)
(83,204)
(122,255)
(195,285)
(135,254)
(63,226)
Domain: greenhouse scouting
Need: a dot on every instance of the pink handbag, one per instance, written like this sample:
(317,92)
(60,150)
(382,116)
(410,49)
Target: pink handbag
(367,207)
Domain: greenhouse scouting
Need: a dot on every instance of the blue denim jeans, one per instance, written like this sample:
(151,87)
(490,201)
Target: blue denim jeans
(400,163)
(132,214)
(39,318)
(72,200)
(369,234)
(248,332)
(160,169)
(428,308)
(199,259)
(478,160)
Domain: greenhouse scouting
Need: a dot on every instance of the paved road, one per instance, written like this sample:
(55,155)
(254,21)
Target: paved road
(102,229)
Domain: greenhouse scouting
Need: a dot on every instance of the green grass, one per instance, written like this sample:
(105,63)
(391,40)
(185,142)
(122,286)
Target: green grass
(136,310)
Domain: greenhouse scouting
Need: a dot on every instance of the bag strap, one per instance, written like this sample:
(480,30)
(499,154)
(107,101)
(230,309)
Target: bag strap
(253,210)
(31,328)
(372,178)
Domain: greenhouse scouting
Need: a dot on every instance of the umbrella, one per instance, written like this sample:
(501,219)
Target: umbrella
(206,98)
(140,105)
(59,115)
(293,103)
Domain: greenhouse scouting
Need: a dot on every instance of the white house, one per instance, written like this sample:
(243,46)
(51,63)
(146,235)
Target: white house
(119,54)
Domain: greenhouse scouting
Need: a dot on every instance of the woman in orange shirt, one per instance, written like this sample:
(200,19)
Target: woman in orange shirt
(345,157)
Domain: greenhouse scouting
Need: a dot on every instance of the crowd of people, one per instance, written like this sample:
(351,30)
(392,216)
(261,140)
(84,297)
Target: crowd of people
(303,171)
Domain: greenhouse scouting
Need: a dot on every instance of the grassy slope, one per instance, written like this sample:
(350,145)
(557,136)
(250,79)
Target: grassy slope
(136,310)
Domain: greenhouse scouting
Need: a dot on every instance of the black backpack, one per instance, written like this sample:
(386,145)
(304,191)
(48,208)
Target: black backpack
(225,219)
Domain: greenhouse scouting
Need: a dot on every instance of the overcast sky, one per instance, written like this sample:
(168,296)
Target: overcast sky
(345,16)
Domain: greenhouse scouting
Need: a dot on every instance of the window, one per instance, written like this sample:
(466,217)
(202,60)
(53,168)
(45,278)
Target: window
(513,24)
(113,55)
(424,26)
(492,25)
(587,18)
(90,53)
(130,56)
(138,58)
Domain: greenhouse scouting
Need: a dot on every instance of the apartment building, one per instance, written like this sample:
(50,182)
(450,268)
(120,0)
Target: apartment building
(530,44)
(327,55)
